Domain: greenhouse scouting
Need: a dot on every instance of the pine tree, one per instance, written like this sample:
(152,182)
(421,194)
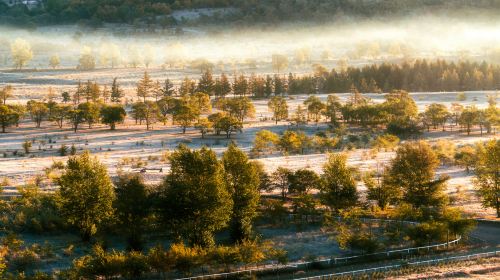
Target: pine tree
(116,91)
(206,83)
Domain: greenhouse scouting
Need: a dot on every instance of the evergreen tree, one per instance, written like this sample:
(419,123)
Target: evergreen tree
(206,83)
(116,91)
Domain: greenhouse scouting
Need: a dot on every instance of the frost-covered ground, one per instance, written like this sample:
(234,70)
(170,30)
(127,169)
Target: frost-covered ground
(132,142)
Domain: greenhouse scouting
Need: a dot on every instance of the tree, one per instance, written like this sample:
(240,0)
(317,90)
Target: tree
(144,87)
(278,106)
(303,180)
(5,93)
(206,83)
(469,117)
(9,115)
(280,180)
(399,106)
(116,91)
(332,109)
(91,112)
(279,62)
(222,86)
(228,124)
(238,107)
(132,207)
(315,107)
(92,91)
(76,117)
(111,115)
(243,183)
(151,113)
(184,114)
(197,202)
(65,97)
(240,86)
(166,106)
(265,141)
(204,126)
(168,88)
(380,191)
(290,142)
(466,156)
(59,114)
(27,146)
(38,111)
(87,60)
(487,173)
(200,102)
(21,53)
(299,117)
(54,61)
(338,190)
(413,171)
(86,194)
(437,114)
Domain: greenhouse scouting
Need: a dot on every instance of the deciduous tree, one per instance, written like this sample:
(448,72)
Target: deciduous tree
(197,202)
(86,194)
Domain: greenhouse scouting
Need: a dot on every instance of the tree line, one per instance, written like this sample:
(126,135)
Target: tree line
(156,12)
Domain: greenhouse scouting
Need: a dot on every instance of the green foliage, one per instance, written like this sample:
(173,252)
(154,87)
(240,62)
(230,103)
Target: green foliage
(243,181)
(427,232)
(197,202)
(379,191)
(38,111)
(33,211)
(303,181)
(386,141)
(487,179)
(132,208)
(280,180)
(466,156)
(27,146)
(413,171)
(278,106)
(111,115)
(265,142)
(90,112)
(109,265)
(350,232)
(445,150)
(274,211)
(86,194)
(338,190)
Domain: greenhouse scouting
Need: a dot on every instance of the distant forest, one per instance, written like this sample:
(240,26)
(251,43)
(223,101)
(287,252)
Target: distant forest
(420,76)
(244,12)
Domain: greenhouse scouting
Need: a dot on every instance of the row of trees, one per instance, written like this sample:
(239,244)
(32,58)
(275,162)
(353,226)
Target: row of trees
(200,196)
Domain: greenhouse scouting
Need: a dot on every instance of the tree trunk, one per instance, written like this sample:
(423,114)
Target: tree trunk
(113,126)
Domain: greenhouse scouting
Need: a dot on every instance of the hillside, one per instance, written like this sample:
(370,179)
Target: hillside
(240,12)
